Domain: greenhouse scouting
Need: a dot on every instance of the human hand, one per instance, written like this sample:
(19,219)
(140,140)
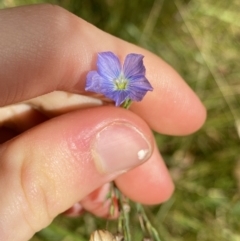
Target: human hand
(56,163)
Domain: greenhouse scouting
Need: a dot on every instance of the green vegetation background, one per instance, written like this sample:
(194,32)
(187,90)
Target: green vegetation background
(199,38)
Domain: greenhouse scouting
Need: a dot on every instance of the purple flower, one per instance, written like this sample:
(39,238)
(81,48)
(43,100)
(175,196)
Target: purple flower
(119,83)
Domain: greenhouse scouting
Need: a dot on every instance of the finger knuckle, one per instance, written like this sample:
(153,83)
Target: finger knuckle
(27,184)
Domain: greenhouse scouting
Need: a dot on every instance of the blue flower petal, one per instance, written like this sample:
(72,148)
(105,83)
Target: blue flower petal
(140,82)
(98,84)
(138,88)
(133,66)
(109,66)
(106,88)
(93,82)
(118,96)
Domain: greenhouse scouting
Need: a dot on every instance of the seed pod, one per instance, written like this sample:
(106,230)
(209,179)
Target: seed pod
(102,235)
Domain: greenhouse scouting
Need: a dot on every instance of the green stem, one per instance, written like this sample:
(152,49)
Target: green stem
(125,209)
(126,104)
(124,206)
(147,224)
(123,221)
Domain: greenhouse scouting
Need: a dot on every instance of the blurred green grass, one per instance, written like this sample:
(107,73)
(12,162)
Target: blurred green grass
(201,39)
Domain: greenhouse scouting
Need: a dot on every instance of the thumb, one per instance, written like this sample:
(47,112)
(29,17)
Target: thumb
(47,169)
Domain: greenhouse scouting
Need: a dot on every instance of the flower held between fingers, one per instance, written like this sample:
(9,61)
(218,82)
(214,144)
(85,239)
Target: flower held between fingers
(122,84)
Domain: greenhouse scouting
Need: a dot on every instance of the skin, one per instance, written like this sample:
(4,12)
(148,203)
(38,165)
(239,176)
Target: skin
(44,48)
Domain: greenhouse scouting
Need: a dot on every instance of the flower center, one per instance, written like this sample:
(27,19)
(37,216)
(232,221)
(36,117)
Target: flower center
(121,83)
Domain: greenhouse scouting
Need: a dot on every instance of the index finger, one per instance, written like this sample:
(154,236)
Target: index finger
(45,48)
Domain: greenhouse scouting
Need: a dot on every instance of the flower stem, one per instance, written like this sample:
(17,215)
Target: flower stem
(123,220)
(126,104)
(124,207)
(146,224)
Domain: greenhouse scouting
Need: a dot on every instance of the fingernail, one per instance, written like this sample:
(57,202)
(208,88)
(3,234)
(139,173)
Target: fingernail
(120,147)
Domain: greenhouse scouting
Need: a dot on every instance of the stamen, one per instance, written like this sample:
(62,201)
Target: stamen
(121,83)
